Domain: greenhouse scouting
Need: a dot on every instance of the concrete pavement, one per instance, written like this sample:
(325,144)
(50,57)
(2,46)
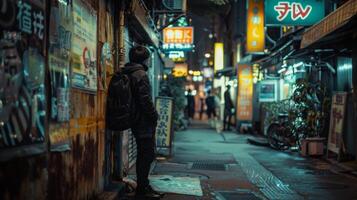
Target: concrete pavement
(230,168)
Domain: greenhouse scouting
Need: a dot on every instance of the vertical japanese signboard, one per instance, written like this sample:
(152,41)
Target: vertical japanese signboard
(84,47)
(22,76)
(164,129)
(294,12)
(255,26)
(338,108)
(245,93)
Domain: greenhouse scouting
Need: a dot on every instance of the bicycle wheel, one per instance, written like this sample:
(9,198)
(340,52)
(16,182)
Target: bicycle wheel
(273,136)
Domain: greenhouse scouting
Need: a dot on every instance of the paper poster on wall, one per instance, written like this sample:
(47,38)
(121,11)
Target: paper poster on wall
(337,117)
(60,42)
(106,68)
(22,76)
(84,47)
(164,106)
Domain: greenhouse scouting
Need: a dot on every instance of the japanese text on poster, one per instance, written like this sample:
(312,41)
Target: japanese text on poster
(22,75)
(164,106)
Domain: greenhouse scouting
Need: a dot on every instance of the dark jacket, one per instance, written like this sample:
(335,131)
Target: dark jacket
(228,104)
(144,115)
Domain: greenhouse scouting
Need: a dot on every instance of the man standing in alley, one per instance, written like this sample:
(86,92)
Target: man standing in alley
(190,104)
(144,116)
(228,109)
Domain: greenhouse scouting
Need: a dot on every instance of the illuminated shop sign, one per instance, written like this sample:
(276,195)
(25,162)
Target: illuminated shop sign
(255,26)
(178,35)
(218,56)
(180,70)
(177,47)
(177,56)
(294,12)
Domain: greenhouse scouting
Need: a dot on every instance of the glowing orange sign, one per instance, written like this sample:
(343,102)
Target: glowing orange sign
(245,93)
(255,26)
(182,35)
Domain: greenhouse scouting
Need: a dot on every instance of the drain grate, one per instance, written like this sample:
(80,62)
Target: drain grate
(238,195)
(209,166)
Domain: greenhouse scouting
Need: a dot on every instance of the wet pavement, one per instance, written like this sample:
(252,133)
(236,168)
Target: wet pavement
(230,168)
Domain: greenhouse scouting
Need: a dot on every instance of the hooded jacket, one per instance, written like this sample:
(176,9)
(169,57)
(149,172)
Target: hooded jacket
(144,115)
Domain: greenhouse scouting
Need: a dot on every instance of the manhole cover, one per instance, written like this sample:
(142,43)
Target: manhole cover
(238,195)
(209,166)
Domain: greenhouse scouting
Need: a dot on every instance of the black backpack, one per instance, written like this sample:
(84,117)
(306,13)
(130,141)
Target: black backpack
(119,103)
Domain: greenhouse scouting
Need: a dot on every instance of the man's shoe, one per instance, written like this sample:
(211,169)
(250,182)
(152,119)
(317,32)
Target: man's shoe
(149,192)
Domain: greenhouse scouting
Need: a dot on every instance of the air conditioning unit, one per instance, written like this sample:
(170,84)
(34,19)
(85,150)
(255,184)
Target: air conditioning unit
(175,5)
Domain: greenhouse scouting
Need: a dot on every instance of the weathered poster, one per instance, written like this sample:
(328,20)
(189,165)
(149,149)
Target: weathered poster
(84,47)
(164,106)
(60,41)
(337,121)
(106,68)
(22,75)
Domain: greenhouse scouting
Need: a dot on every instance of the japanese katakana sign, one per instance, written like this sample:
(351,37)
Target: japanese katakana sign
(338,108)
(255,26)
(294,12)
(164,106)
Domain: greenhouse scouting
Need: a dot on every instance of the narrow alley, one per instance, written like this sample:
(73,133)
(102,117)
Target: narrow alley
(228,167)
(178,99)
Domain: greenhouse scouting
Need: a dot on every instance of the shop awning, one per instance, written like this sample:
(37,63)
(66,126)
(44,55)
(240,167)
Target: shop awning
(329,24)
(143,24)
(228,71)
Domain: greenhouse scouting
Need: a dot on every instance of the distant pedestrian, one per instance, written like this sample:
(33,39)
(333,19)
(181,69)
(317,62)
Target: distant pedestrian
(228,109)
(211,105)
(144,117)
(190,104)
(202,107)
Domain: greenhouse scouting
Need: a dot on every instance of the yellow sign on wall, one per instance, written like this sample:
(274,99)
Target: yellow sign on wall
(245,93)
(218,56)
(180,70)
(255,26)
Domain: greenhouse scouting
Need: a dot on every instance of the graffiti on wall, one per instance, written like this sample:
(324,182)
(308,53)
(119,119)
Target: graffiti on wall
(84,47)
(22,73)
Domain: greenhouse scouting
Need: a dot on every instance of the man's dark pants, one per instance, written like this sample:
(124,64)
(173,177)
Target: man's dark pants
(145,156)
(227,122)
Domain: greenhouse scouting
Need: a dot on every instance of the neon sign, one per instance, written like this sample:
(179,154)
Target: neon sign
(293,12)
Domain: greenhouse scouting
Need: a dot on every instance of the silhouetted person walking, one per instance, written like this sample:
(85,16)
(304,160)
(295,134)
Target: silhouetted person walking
(190,104)
(211,105)
(228,109)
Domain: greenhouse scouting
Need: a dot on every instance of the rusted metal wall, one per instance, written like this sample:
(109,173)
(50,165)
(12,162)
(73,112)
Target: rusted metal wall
(24,178)
(78,173)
